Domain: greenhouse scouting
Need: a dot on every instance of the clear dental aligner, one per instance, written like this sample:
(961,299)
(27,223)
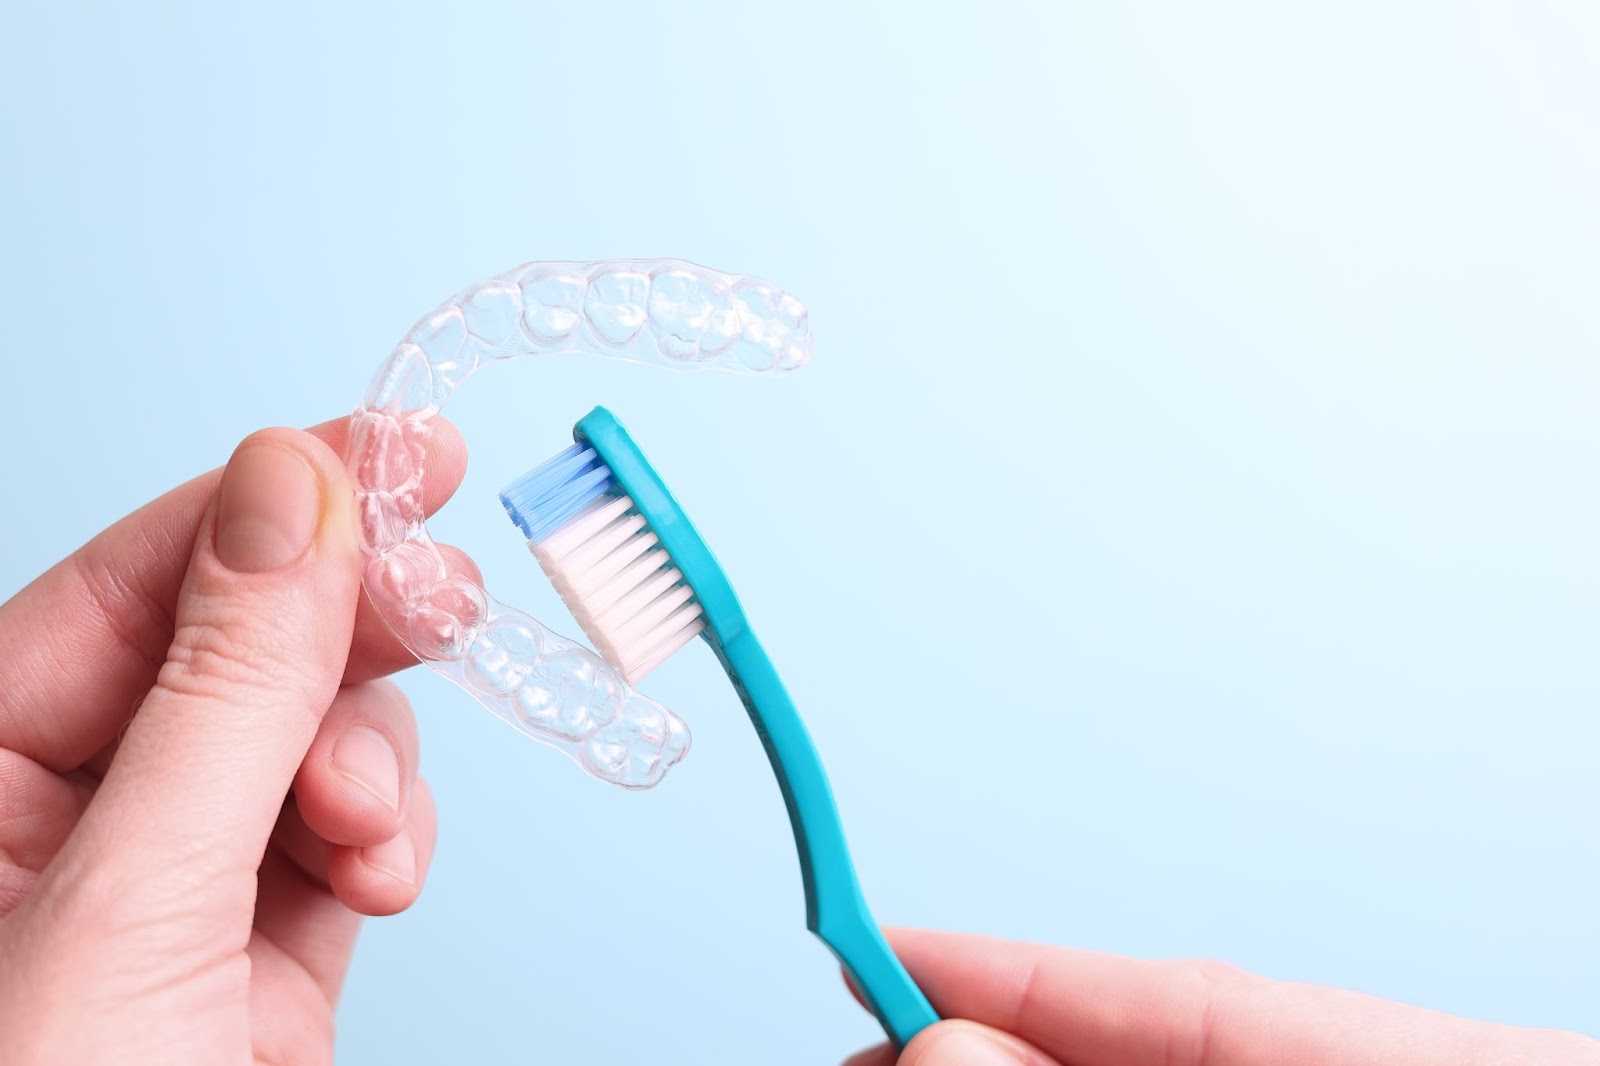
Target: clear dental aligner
(666,312)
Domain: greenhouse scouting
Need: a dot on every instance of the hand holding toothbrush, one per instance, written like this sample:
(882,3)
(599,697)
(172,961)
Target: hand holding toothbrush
(1032,1005)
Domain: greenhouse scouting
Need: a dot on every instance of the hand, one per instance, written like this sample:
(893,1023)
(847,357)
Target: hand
(164,897)
(1030,1005)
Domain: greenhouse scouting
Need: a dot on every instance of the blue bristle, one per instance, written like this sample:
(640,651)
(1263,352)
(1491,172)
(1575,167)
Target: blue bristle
(555,492)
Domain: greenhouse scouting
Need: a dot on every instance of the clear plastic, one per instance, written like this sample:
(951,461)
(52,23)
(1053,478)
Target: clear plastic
(666,312)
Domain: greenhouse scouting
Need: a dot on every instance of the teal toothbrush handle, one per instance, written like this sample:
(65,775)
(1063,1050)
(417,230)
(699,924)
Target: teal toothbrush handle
(835,908)
(836,911)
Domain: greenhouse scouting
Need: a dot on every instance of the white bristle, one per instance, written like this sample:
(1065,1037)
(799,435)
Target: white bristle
(588,583)
(596,516)
(639,644)
(641,599)
(632,603)
(665,651)
(637,572)
(637,627)
(593,551)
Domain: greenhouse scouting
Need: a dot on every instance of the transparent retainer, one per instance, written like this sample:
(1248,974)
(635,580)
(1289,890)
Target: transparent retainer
(666,312)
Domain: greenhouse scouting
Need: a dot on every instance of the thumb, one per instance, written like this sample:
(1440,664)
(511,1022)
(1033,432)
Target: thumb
(962,1043)
(261,633)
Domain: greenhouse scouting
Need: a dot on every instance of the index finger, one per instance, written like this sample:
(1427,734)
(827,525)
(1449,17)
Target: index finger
(1094,1009)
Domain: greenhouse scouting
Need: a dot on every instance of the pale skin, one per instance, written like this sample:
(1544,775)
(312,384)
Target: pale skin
(205,785)
(1029,1005)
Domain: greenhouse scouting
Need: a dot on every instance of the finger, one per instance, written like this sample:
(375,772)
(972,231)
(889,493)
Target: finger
(386,878)
(963,1043)
(376,880)
(1091,1009)
(297,910)
(850,986)
(83,643)
(379,652)
(262,631)
(295,841)
(291,1017)
(37,812)
(354,785)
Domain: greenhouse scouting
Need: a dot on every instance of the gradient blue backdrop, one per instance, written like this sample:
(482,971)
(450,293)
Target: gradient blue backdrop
(1183,543)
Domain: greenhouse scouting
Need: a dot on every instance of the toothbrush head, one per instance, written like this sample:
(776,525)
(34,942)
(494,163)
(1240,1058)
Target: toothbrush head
(619,550)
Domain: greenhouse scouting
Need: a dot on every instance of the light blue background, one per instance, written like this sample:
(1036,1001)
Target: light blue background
(1183,543)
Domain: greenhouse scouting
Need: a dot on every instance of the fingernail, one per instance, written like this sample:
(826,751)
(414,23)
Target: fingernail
(366,757)
(963,1045)
(267,508)
(397,858)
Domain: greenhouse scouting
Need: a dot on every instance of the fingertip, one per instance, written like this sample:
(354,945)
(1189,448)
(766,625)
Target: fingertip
(448,447)
(424,814)
(311,446)
(348,797)
(458,564)
(334,521)
(377,880)
(387,877)
(354,786)
(375,650)
(446,460)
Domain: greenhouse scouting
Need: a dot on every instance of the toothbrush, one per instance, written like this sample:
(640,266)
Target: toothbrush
(642,584)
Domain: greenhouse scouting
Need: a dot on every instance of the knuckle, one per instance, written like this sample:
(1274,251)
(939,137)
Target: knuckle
(220,655)
(99,901)
(1208,973)
(1201,986)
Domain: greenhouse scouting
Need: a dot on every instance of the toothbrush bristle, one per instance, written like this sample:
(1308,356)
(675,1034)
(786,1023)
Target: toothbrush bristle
(605,562)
